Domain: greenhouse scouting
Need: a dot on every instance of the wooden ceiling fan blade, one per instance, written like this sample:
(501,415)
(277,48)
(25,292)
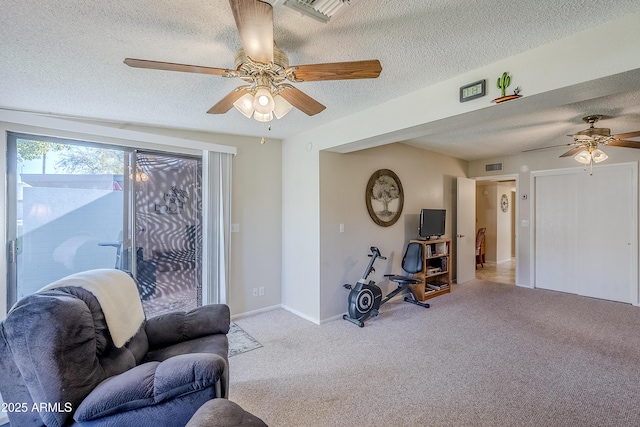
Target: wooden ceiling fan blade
(254,20)
(574,150)
(624,143)
(546,148)
(301,100)
(226,103)
(170,66)
(369,69)
(627,135)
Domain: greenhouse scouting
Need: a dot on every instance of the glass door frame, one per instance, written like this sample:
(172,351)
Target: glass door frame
(129,199)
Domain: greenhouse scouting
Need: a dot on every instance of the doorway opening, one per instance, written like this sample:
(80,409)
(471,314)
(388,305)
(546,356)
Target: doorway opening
(496,204)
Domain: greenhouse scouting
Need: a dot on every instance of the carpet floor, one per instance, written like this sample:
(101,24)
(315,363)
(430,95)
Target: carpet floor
(486,354)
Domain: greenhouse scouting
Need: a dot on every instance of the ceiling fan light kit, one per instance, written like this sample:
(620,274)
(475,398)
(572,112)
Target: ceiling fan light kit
(244,104)
(586,142)
(281,106)
(265,67)
(589,156)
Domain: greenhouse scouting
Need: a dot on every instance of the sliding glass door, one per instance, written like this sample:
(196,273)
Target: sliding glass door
(70,208)
(167,212)
(64,211)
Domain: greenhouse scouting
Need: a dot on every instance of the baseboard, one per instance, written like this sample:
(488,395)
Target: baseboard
(304,316)
(331,319)
(289,309)
(251,313)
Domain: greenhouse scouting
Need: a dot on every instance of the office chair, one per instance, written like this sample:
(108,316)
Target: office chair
(412,264)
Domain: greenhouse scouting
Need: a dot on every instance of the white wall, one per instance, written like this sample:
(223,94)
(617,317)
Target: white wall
(503,225)
(428,181)
(300,230)
(256,198)
(257,209)
(523,165)
(544,71)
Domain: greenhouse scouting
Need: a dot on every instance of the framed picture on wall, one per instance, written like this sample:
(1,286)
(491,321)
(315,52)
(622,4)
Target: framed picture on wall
(384,197)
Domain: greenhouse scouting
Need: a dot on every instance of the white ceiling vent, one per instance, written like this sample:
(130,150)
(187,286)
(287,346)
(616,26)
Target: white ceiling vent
(492,167)
(321,10)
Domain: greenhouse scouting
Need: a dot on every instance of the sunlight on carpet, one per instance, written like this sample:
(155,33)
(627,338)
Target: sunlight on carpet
(240,341)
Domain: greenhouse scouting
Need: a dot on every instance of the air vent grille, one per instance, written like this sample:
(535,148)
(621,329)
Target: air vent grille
(492,167)
(321,10)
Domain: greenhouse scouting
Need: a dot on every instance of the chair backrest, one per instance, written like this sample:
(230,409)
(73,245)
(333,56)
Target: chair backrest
(55,347)
(412,260)
(480,237)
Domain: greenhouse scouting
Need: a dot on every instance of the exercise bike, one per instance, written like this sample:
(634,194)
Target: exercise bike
(365,297)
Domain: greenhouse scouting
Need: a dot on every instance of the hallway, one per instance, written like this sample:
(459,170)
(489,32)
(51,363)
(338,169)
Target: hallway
(504,272)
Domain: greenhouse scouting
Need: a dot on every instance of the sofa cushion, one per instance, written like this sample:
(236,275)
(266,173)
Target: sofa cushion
(172,328)
(223,413)
(59,329)
(107,353)
(152,383)
(13,388)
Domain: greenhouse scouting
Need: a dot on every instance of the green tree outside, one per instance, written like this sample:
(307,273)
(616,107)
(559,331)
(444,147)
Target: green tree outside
(91,160)
(32,150)
(74,159)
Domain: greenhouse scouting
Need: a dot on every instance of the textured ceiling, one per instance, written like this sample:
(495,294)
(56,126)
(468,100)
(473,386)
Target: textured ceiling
(65,57)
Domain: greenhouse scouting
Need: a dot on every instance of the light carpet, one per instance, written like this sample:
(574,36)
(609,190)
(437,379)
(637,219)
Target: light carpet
(485,355)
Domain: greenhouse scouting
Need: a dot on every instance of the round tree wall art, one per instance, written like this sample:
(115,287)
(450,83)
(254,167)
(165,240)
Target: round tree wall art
(384,197)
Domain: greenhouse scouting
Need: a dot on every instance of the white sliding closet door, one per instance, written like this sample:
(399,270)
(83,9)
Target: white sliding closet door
(556,232)
(607,236)
(586,232)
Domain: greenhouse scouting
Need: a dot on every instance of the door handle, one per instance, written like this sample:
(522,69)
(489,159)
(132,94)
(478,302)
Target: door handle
(13,252)
(459,236)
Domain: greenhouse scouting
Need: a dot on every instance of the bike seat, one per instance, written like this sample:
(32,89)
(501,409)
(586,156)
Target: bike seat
(403,279)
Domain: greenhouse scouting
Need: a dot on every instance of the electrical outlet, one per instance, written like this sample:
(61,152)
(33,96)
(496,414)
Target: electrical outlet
(261,291)
(255,292)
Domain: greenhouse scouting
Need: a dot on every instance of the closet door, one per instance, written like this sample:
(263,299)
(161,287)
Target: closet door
(586,234)
(605,235)
(556,228)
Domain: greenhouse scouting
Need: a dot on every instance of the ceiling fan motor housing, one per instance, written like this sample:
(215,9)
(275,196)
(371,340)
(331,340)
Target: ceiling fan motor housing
(279,58)
(595,132)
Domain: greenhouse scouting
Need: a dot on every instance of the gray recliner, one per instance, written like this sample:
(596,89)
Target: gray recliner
(58,360)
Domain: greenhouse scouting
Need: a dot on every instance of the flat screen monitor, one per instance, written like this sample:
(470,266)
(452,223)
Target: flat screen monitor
(432,223)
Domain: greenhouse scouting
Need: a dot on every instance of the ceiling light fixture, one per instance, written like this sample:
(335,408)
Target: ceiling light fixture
(262,99)
(263,105)
(591,155)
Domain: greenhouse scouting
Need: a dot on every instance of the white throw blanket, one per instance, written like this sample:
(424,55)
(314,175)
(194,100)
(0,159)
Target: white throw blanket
(118,296)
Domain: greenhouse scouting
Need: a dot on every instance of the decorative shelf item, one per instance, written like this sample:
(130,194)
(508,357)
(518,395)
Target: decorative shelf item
(503,83)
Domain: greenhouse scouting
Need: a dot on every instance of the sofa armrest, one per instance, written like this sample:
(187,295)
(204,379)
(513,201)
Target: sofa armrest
(150,384)
(172,328)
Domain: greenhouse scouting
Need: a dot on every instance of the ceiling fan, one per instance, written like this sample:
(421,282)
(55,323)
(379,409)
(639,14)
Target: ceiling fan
(266,69)
(585,143)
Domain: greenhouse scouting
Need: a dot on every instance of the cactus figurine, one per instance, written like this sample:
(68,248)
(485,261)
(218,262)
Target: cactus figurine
(504,82)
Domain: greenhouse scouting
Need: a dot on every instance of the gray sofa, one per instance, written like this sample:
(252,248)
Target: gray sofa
(60,367)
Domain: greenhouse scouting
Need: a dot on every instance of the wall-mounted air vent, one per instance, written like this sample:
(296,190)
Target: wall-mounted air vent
(492,167)
(321,10)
